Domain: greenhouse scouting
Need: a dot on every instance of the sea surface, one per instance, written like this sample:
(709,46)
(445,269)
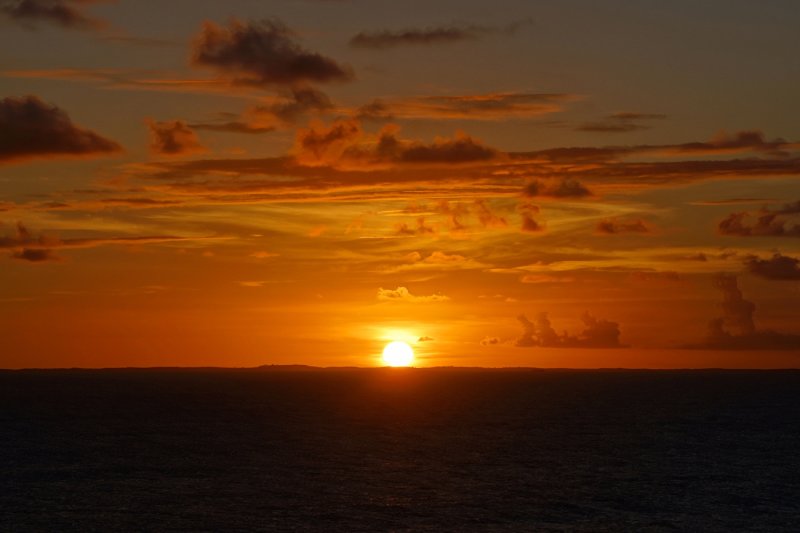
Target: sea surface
(301,449)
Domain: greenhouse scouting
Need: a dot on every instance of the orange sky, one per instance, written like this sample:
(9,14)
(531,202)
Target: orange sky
(498,184)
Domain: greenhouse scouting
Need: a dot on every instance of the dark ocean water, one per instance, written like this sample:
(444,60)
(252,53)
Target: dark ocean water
(399,450)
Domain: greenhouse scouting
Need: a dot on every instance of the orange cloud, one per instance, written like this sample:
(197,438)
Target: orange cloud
(613,226)
(402,294)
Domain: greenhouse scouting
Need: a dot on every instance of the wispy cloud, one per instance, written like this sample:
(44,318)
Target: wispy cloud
(490,106)
(622,122)
(432,35)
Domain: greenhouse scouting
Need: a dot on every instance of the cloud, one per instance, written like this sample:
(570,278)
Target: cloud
(490,106)
(344,143)
(561,188)
(598,333)
(280,113)
(781,222)
(441,258)
(529,224)
(615,226)
(486,217)
(35,255)
(425,339)
(490,341)
(263,53)
(25,246)
(320,143)
(740,141)
(435,35)
(362,166)
(173,137)
(402,294)
(736,329)
(65,13)
(421,228)
(620,123)
(778,267)
(734,201)
(30,128)
(546,278)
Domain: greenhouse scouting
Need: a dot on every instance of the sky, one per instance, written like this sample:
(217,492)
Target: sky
(563,183)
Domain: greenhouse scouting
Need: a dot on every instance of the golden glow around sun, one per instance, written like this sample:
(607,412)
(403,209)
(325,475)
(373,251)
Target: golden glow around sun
(398,353)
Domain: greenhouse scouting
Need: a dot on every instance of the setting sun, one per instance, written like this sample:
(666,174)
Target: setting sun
(398,353)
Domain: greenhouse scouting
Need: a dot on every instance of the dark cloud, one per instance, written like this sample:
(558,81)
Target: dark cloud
(420,229)
(429,36)
(35,255)
(344,143)
(614,226)
(620,123)
(328,143)
(734,201)
(740,141)
(65,13)
(777,267)
(736,329)
(263,53)
(301,101)
(286,111)
(490,341)
(234,126)
(359,165)
(24,245)
(486,217)
(490,106)
(529,224)
(781,222)
(30,128)
(562,188)
(173,137)
(598,333)
(460,149)
(425,339)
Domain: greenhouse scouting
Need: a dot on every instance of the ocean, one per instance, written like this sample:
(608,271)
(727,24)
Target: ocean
(303,449)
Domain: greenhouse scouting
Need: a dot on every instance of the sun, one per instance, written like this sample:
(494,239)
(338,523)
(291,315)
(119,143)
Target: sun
(398,353)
